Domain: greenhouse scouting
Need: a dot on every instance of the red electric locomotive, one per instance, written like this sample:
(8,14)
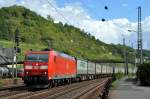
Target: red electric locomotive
(45,68)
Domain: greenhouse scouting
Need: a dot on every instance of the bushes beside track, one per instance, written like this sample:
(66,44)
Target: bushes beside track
(143,74)
(115,78)
(118,76)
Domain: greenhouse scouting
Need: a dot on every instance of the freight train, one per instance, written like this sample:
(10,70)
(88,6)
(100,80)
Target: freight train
(50,68)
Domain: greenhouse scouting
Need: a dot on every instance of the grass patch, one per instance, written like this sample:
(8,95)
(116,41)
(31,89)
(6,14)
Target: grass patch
(1,82)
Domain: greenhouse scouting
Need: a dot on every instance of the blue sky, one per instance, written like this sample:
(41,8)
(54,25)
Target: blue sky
(117,8)
(87,14)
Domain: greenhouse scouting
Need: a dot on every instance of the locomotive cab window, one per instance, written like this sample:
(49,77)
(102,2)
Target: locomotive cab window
(37,57)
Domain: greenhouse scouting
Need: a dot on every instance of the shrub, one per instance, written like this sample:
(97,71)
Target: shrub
(143,73)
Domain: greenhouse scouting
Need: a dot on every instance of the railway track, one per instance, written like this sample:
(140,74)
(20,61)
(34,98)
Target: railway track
(76,93)
(72,91)
(59,92)
(45,92)
(92,92)
(12,90)
(9,81)
(9,87)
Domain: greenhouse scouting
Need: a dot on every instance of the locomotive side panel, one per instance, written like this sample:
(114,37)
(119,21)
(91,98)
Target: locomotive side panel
(63,66)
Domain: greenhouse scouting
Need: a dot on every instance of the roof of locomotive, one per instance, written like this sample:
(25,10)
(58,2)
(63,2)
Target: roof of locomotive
(65,55)
(37,52)
(55,52)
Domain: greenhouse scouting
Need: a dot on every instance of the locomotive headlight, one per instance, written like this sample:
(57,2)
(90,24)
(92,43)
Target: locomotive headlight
(44,67)
(45,73)
(28,67)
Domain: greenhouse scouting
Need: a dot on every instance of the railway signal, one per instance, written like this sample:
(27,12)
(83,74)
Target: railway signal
(17,37)
(17,41)
(16,50)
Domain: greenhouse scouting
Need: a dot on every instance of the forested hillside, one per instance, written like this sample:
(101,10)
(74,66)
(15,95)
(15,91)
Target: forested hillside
(38,31)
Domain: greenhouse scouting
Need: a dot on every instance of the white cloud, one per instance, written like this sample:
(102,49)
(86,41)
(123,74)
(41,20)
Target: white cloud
(146,25)
(7,3)
(110,31)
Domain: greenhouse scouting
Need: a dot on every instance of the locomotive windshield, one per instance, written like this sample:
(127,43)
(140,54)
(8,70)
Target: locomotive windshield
(37,57)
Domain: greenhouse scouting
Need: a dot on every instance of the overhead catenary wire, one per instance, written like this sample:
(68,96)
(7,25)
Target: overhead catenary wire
(58,12)
(51,42)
